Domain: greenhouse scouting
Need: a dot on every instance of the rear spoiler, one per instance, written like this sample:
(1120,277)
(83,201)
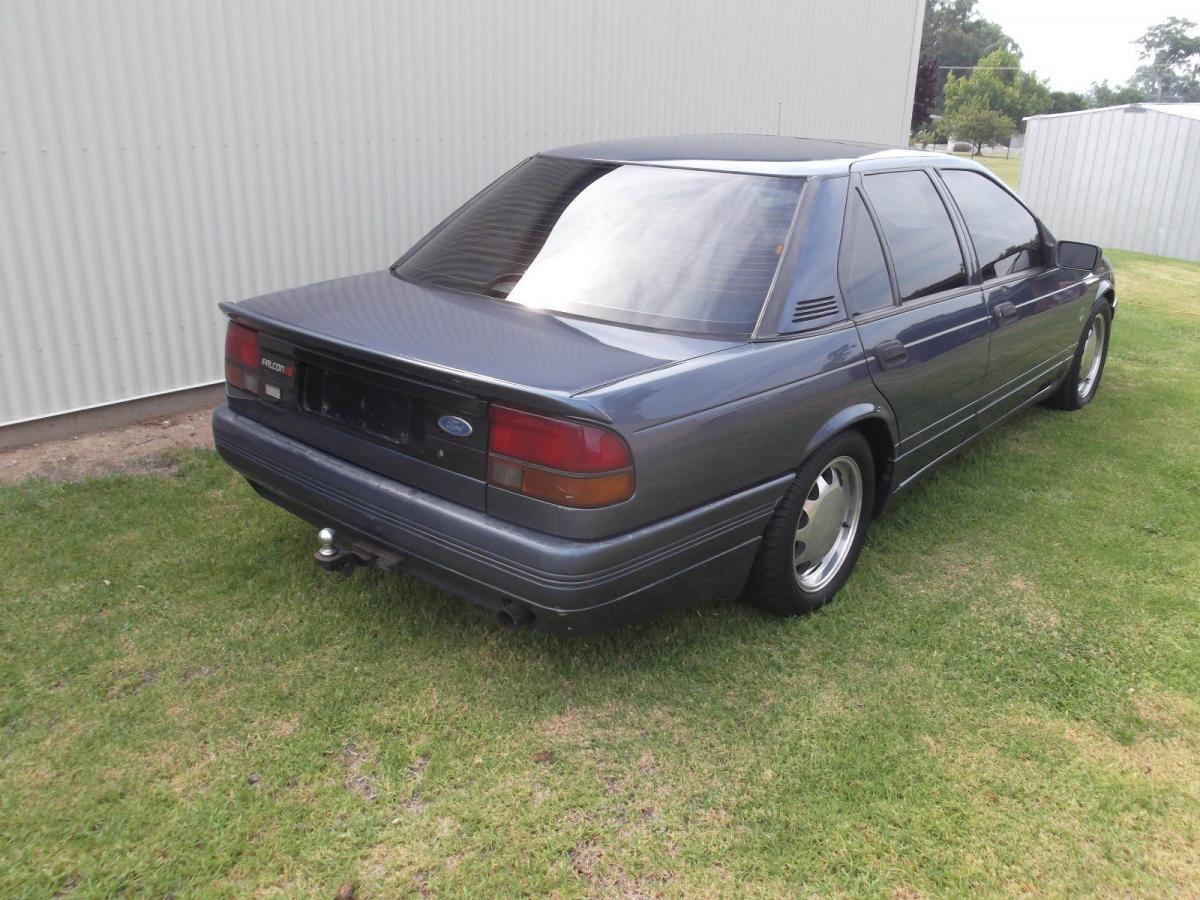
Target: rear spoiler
(477,385)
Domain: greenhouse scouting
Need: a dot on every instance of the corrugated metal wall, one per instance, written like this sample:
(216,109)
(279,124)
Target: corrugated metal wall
(1120,179)
(159,157)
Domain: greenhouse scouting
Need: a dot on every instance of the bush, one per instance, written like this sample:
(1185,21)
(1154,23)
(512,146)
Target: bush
(962,147)
(934,133)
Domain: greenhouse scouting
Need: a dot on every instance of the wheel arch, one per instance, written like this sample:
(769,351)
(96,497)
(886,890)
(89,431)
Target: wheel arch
(875,423)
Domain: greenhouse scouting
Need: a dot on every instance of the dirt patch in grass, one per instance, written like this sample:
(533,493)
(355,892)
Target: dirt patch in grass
(128,684)
(589,863)
(202,672)
(568,726)
(355,760)
(141,449)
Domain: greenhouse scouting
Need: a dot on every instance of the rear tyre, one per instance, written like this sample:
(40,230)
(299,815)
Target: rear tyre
(813,540)
(1082,380)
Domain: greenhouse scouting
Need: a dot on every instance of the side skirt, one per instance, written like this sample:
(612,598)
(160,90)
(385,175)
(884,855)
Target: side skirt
(928,467)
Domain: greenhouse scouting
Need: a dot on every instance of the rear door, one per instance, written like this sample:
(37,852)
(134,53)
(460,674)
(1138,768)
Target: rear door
(1035,308)
(926,336)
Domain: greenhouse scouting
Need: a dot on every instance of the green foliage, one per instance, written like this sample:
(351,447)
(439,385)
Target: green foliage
(933,133)
(1166,86)
(1101,95)
(999,86)
(1066,101)
(954,35)
(1173,56)
(976,123)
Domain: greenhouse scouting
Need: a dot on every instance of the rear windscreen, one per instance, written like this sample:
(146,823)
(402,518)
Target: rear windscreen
(676,249)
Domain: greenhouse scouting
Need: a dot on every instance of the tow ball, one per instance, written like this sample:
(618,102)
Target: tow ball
(332,558)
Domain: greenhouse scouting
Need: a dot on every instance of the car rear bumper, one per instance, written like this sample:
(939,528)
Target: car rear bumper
(570,586)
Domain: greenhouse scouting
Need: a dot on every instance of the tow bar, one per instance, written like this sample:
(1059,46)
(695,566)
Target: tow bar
(332,558)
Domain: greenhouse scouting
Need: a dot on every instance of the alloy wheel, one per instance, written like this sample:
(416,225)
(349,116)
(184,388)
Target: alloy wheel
(828,523)
(1092,357)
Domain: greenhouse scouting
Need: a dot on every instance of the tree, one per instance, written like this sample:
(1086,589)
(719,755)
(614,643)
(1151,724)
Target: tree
(1066,101)
(1165,86)
(1173,71)
(925,93)
(1101,94)
(1000,85)
(955,36)
(980,125)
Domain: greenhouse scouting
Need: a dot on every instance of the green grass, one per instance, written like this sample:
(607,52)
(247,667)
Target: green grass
(1004,698)
(1006,169)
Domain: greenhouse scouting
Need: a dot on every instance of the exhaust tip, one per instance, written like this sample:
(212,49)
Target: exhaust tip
(514,615)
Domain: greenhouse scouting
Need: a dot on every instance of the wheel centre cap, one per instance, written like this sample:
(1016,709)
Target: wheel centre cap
(827,520)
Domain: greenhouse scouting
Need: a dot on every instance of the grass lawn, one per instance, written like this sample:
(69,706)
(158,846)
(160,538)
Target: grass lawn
(1006,169)
(1005,697)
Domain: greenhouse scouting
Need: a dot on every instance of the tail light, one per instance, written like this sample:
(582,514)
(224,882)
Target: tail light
(241,358)
(568,463)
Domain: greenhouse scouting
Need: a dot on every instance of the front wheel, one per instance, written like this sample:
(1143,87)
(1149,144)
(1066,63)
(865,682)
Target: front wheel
(1083,377)
(813,540)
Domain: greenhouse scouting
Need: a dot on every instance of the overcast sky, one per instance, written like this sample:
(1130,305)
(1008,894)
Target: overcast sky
(1073,42)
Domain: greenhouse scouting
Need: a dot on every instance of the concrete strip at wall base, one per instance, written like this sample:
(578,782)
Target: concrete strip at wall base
(113,415)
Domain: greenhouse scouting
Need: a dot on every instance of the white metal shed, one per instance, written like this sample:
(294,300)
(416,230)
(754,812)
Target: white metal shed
(158,158)
(1124,176)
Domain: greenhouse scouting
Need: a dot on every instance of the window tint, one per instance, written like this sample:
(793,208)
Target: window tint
(864,273)
(1005,235)
(920,237)
(677,249)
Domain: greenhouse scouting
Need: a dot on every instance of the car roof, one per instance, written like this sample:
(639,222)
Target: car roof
(759,154)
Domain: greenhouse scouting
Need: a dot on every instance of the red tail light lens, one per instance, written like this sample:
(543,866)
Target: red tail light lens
(241,357)
(555,443)
(568,463)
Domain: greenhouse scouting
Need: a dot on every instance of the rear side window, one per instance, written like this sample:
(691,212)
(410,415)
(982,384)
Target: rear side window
(1005,235)
(919,235)
(864,275)
(677,249)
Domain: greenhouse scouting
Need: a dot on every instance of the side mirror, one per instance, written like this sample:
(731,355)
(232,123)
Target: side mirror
(1076,255)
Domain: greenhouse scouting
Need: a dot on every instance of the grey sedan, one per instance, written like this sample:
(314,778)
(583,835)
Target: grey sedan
(642,374)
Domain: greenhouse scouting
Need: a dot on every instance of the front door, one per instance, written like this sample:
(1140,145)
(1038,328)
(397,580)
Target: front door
(1037,310)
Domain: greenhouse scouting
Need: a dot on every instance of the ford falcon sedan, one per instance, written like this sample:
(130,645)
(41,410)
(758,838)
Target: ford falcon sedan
(643,374)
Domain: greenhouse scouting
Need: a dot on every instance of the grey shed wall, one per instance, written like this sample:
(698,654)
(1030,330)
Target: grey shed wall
(1119,178)
(157,158)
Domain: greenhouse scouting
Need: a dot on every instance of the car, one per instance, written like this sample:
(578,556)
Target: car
(641,374)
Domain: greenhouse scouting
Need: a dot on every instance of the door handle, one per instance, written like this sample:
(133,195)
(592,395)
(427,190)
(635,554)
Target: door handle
(1004,312)
(891,354)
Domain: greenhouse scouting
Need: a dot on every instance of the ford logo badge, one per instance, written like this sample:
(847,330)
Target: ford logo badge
(455,426)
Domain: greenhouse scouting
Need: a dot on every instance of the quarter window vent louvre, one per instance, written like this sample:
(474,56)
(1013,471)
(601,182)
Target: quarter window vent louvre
(806,312)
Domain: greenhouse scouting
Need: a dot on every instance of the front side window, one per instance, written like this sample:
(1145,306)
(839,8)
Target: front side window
(918,232)
(1005,235)
(677,249)
(865,281)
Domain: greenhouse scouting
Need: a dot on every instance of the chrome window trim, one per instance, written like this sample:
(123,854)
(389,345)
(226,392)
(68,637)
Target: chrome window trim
(930,337)
(884,312)
(1051,293)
